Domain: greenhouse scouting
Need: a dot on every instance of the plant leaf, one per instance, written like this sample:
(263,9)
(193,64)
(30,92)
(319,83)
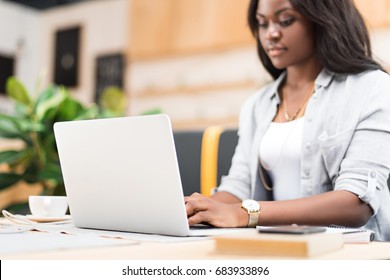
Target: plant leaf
(27,125)
(51,98)
(89,113)
(31,173)
(152,111)
(9,127)
(25,157)
(114,100)
(22,110)
(51,171)
(50,115)
(107,114)
(12,156)
(8,179)
(70,109)
(17,91)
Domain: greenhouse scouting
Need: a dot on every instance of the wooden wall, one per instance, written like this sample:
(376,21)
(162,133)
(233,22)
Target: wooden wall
(176,27)
(166,28)
(168,33)
(375,12)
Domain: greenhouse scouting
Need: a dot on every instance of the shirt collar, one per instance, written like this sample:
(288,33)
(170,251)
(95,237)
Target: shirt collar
(275,86)
(323,80)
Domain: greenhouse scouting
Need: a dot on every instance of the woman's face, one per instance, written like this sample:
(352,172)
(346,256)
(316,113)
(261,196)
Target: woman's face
(286,36)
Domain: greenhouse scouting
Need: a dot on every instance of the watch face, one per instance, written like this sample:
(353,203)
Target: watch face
(251,205)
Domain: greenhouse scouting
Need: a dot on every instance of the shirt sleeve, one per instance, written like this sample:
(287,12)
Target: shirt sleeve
(238,181)
(365,167)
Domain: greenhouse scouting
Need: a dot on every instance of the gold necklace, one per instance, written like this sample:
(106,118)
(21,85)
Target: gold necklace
(305,100)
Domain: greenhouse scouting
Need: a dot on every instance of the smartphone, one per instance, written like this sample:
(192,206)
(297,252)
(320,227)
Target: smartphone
(293,229)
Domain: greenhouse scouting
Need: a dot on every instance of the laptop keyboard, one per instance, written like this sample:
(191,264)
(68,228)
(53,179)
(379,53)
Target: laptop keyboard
(202,226)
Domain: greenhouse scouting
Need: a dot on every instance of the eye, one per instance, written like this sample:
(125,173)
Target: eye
(262,24)
(286,22)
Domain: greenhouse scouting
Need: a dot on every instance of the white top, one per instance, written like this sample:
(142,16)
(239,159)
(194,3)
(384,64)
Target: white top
(345,142)
(280,155)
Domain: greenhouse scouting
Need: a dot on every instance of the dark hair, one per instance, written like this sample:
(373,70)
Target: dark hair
(341,36)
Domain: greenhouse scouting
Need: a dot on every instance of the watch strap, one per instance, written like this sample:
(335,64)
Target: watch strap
(253,219)
(252,207)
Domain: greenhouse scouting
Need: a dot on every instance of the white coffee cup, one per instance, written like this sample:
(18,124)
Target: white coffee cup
(48,206)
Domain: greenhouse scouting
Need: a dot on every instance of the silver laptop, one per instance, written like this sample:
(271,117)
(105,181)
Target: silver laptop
(122,174)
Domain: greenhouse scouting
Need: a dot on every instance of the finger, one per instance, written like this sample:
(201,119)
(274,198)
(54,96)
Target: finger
(190,209)
(198,217)
(193,196)
(196,194)
(193,206)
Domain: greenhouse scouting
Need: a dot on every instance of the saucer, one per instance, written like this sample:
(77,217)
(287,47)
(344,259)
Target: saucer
(48,219)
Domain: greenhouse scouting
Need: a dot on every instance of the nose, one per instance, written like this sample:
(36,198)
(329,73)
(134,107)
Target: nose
(273,32)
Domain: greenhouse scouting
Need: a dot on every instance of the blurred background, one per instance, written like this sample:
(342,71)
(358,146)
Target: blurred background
(194,60)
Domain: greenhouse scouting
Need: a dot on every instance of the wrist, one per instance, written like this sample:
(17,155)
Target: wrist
(242,216)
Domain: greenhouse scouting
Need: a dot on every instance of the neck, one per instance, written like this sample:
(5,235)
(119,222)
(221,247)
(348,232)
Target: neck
(301,75)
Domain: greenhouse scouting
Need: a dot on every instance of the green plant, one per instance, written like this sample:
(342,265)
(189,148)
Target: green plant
(113,99)
(32,123)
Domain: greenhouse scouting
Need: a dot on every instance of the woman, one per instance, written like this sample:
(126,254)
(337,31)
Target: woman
(314,145)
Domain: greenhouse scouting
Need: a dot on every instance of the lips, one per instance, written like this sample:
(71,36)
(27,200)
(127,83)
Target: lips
(276,50)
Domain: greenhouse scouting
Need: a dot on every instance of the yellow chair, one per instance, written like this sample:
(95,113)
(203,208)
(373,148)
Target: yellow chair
(204,156)
(218,146)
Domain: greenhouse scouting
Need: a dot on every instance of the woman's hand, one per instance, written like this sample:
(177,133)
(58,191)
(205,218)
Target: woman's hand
(201,209)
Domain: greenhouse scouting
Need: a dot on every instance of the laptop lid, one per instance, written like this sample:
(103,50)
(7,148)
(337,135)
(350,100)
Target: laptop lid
(122,174)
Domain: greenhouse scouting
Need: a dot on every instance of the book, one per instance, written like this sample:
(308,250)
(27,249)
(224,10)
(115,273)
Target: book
(352,235)
(275,244)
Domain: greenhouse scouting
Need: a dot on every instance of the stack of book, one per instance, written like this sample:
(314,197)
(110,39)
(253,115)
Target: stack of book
(271,244)
(291,241)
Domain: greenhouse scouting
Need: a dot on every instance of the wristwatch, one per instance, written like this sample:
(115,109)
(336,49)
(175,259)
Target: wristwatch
(253,209)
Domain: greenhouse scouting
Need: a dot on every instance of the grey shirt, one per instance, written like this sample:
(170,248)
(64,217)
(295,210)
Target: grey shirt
(346,142)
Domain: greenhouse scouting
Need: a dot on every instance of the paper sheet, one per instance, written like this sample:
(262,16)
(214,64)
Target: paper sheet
(42,241)
(64,235)
(71,229)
